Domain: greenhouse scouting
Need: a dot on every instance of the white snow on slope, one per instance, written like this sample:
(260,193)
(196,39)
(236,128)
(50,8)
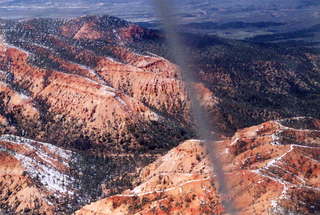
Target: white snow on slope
(49,177)
(106,90)
(93,72)
(137,190)
(41,166)
(274,163)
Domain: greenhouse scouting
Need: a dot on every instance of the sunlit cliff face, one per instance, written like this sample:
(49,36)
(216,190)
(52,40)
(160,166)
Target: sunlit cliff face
(267,174)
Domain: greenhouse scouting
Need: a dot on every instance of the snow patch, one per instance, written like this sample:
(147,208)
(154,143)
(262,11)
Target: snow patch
(51,178)
(196,140)
(24,96)
(137,190)
(226,151)
(234,142)
(121,101)
(43,46)
(43,169)
(66,154)
(275,139)
(265,172)
(107,90)
(93,72)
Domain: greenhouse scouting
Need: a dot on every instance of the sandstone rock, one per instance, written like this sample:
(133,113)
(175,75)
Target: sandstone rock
(272,168)
(34,176)
(81,102)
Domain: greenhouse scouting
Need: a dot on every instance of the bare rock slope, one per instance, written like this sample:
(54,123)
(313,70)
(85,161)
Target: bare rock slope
(271,168)
(48,84)
(35,177)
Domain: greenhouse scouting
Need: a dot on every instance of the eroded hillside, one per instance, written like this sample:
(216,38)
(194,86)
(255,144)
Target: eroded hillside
(87,104)
(271,168)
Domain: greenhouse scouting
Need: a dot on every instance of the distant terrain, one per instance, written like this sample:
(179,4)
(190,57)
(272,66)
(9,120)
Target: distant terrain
(237,19)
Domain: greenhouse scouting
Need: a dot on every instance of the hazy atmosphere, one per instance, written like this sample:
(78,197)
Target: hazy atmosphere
(228,18)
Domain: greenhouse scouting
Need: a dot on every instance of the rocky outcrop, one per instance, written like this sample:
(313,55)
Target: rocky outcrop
(247,83)
(34,177)
(272,168)
(117,110)
(79,102)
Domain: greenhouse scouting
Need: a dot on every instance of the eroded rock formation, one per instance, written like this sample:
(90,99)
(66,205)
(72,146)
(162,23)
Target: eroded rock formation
(272,168)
